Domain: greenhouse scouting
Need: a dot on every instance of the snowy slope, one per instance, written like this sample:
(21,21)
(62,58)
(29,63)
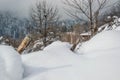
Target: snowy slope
(51,63)
(10,64)
(96,59)
(57,62)
(102,41)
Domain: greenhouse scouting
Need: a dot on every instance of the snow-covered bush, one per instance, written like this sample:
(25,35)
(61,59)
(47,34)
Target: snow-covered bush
(10,64)
(111,25)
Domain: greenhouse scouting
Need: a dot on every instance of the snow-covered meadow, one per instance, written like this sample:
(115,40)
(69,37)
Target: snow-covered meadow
(96,59)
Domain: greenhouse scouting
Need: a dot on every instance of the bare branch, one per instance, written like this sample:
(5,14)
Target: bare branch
(87,8)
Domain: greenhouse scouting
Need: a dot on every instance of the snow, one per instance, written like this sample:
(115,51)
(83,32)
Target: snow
(86,33)
(51,63)
(102,41)
(96,59)
(1,37)
(11,64)
(111,26)
(118,28)
(119,20)
(100,60)
(3,75)
(57,62)
(38,42)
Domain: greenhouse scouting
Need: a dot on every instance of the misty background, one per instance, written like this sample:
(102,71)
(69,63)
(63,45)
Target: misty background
(22,7)
(17,19)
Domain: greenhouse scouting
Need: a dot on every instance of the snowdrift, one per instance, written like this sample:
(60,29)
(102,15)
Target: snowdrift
(10,64)
(103,41)
(57,62)
(100,60)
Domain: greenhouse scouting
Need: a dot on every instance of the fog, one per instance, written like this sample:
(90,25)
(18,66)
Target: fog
(22,7)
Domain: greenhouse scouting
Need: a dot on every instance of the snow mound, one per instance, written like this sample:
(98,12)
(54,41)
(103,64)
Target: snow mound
(51,63)
(58,45)
(3,75)
(57,62)
(102,41)
(10,65)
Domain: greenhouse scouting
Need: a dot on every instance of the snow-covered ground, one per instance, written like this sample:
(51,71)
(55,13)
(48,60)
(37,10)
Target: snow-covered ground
(100,60)
(96,59)
(10,64)
(105,40)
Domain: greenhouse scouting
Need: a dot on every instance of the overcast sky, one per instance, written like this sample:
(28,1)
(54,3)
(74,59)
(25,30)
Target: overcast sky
(22,7)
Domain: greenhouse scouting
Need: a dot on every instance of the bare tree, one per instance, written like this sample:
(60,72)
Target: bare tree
(86,10)
(44,14)
(113,11)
